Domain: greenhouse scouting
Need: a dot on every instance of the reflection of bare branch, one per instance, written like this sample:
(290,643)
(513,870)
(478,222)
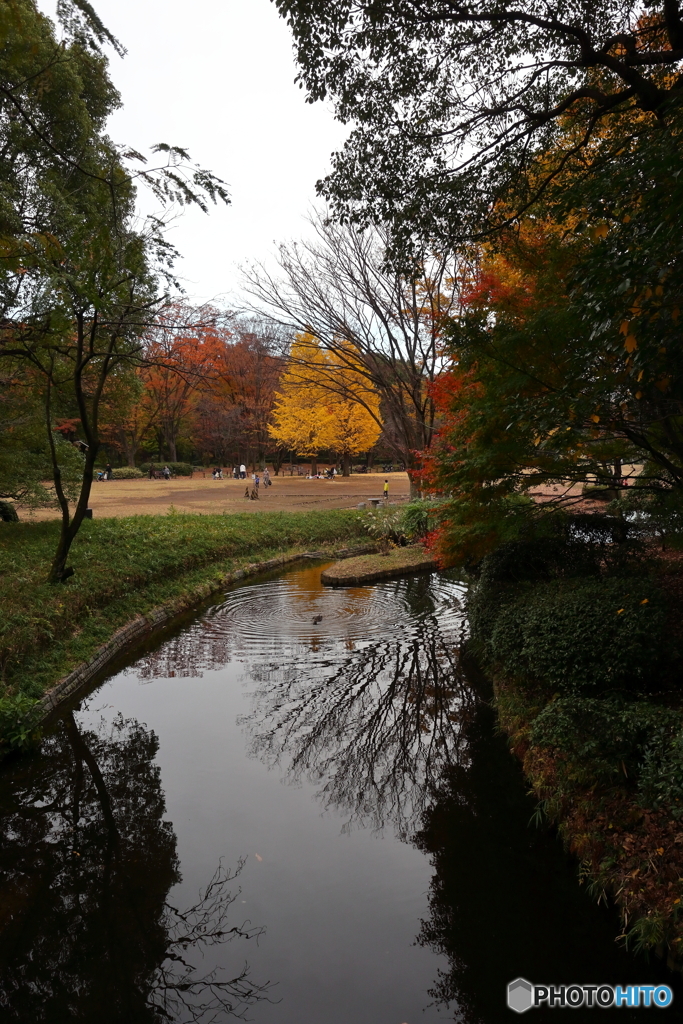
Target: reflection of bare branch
(86,864)
(203,646)
(376,733)
(82,753)
(179,991)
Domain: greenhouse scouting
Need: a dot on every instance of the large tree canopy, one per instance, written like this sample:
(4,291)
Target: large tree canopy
(453,103)
(80,273)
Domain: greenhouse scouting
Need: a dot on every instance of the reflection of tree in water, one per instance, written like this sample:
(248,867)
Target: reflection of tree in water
(504,900)
(86,864)
(375,728)
(204,646)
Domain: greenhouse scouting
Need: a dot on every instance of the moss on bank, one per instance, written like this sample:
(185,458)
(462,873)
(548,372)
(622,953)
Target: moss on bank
(583,642)
(126,567)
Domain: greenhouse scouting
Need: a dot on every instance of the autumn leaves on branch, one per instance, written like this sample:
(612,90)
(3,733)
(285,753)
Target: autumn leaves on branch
(325,403)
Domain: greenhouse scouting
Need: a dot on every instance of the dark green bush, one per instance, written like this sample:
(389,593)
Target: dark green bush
(660,782)
(576,635)
(177,468)
(18,722)
(126,473)
(8,513)
(604,737)
(566,545)
(416,516)
(614,738)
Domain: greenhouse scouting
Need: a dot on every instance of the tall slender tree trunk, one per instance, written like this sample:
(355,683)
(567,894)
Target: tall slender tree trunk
(414,478)
(70,526)
(346,464)
(128,448)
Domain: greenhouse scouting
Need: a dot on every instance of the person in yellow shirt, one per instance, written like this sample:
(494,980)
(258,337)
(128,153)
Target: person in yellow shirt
(386,490)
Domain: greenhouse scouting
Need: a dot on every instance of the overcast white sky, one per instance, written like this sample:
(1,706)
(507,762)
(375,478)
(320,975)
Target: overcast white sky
(217,77)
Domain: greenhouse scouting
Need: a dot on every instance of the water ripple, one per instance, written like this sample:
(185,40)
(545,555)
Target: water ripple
(268,618)
(286,609)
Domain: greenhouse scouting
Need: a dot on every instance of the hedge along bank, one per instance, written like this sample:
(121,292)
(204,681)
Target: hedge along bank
(126,568)
(583,643)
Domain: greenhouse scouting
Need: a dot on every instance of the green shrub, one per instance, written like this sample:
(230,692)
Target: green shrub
(609,739)
(660,780)
(177,468)
(576,635)
(18,722)
(566,545)
(606,737)
(127,473)
(8,513)
(398,524)
(385,523)
(417,518)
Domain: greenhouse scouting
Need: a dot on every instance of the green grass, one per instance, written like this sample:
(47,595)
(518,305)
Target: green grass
(370,566)
(124,567)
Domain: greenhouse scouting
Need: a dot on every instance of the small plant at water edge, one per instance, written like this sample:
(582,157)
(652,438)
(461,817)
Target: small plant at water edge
(18,723)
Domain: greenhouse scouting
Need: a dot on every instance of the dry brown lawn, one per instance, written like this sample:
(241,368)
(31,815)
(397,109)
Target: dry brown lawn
(203,494)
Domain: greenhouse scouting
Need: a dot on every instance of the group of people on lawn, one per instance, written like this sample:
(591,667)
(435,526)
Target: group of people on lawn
(238,473)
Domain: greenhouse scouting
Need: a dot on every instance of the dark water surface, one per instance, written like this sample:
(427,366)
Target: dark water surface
(298,823)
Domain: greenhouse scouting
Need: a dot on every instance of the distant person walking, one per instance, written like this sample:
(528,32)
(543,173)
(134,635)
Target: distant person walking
(152,471)
(167,473)
(243,472)
(386,490)
(108,471)
(266,478)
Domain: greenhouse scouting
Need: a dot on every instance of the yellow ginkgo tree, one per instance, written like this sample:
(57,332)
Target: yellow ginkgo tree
(325,403)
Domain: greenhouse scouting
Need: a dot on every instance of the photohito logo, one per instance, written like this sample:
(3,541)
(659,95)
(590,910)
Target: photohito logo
(523,996)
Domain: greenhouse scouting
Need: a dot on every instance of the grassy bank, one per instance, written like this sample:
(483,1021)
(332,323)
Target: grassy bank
(583,640)
(368,568)
(124,567)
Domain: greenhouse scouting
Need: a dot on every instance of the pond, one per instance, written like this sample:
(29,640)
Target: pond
(290,821)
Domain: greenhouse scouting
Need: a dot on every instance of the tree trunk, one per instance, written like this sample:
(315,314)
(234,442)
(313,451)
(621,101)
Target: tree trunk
(314,466)
(60,572)
(415,485)
(128,449)
(346,464)
(172,450)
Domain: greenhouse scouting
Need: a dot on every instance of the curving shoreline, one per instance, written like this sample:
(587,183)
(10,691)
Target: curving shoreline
(143,626)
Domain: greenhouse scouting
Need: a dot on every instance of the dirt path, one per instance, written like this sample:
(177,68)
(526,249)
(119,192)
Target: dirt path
(203,494)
